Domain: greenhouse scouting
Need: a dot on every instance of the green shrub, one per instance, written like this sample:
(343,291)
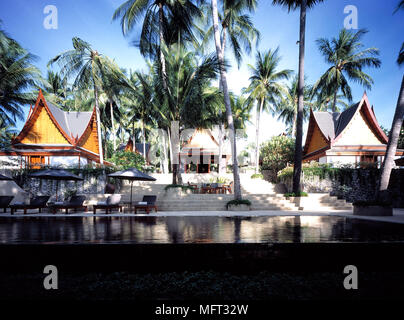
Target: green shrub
(127,159)
(238,202)
(257,176)
(276,154)
(299,194)
(311,169)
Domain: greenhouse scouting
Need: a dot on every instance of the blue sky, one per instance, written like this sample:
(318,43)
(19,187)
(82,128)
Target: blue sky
(91,21)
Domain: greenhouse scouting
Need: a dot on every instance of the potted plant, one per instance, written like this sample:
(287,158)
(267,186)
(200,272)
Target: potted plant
(238,205)
(372,208)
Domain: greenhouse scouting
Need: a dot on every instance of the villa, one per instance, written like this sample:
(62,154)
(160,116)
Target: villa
(201,150)
(51,136)
(352,136)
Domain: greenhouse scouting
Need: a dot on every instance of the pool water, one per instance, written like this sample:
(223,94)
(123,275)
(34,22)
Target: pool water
(277,229)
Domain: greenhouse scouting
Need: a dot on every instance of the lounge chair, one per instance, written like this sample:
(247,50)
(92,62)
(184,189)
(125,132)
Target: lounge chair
(149,202)
(111,203)
(35,203)
(5,202)
(75,202)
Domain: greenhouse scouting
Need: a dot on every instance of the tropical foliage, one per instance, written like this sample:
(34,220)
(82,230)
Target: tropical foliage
(125,160)
(276,154)
(347,60)
(265,87)
(18,76)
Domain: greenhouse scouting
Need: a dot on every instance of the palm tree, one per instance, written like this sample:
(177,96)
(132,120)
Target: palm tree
(229,114)
(303,5)
(189,96)
(323,102)
(400,59)
(286,108)
(6,133)
(265,87)
(394,135)
(18,75)
(139,91)
(236,25)
(164,22)
(347,61)
(89,69)
(57,90)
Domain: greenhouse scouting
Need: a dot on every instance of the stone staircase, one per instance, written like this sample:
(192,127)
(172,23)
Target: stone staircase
(260,192)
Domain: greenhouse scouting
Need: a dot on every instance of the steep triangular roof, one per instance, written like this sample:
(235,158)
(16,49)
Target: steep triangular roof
(71,125)
(201,139)
(333,124)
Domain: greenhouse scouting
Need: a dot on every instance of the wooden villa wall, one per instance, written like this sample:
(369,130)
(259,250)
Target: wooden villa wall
(358,132)
(89,140)
(44,131)
(317,141)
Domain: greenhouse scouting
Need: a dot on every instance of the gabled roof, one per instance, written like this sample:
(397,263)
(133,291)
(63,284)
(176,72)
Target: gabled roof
(71,125)
(333,124)
(201,139)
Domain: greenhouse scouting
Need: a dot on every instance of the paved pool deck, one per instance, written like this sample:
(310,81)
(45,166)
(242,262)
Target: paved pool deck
(398,214)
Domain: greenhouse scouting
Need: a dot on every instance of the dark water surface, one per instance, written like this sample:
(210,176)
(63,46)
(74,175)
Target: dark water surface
(295,229)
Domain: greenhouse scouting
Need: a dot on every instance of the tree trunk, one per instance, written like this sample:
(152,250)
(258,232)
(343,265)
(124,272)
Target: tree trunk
(113,125)
(173,167)
(294,124)
(162,58)
(97,111)
(257,134)
(297,168)
(221,125)
(165,152)
(223,78)
(144,141)
(334,104)
(388,162)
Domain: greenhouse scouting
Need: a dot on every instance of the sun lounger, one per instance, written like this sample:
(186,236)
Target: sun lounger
(75,202)
(35,203)
(148,202)
(5,202)
(113,202)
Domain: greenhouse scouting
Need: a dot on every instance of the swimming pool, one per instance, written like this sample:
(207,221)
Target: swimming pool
(143,230)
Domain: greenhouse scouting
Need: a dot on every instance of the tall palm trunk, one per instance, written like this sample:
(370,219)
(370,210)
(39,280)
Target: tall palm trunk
(257,135)
(97,111)
(165,151)
(294,124)
(221,125)
(334,104)
(162,58)
(223,78)
(392,144)
(113,126)
(144,140)
(297,168)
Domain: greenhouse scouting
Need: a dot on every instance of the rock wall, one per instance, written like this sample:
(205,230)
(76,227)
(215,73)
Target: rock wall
(353,184)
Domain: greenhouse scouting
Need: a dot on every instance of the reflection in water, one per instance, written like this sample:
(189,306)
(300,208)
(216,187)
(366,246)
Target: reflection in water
(297,229)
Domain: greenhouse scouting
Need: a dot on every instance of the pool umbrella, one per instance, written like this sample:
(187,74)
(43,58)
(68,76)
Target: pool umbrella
(55,174)
(131,174)
(5,177)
